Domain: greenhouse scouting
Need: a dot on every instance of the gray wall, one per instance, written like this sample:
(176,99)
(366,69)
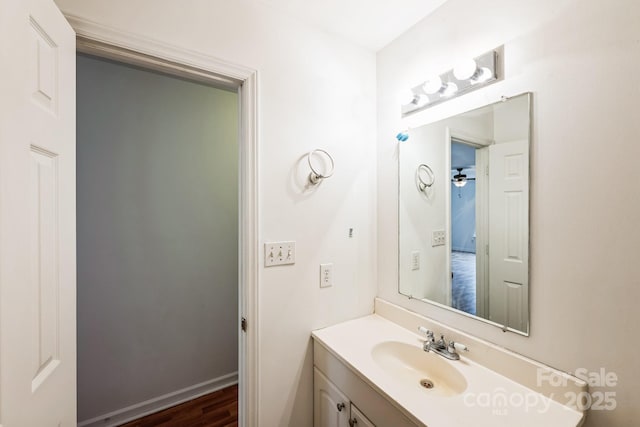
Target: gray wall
(157,235)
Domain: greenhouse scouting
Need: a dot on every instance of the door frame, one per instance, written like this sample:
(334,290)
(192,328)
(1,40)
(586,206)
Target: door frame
(455,135)
(102,41)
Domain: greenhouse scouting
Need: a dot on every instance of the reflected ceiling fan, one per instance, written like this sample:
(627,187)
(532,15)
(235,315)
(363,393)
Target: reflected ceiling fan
(460,179)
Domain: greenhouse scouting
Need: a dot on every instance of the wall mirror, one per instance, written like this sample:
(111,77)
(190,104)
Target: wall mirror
(464,235)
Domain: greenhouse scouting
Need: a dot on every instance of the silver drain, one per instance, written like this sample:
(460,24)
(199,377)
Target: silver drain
(428,384)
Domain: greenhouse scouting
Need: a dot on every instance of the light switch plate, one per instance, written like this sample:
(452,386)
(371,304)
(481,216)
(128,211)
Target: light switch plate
(279,253)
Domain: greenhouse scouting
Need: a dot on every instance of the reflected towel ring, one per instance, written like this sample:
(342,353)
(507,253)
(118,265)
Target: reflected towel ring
(431,178)
(316,177)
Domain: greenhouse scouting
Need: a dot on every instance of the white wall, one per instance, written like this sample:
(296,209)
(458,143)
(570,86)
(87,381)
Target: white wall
(157,221)
(578,57)
(421,213)
(314,91)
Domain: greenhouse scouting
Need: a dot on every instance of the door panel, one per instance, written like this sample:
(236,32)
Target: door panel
(37,216)
(44,71)
(44,233)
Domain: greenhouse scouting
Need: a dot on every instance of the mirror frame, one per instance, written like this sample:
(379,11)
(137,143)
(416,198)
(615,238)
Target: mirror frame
(504,328)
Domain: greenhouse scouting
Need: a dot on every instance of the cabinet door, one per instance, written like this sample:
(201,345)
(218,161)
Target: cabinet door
(330,406)
(358,419)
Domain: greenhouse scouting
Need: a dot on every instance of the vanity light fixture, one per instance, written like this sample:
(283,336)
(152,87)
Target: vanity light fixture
(450,90)
(466,76)
(412,98)
(469,70)
(434,86)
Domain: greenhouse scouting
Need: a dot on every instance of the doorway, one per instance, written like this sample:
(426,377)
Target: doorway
(463,227)
(467,219)
(38,144)
(158,234)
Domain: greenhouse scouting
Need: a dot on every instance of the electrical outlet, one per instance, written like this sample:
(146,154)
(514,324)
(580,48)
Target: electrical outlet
(279,253)
(438,237)
(415,260)
(326,275)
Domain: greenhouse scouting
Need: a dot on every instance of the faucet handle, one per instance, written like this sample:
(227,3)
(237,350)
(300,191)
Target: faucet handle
(426,332)
(453,346)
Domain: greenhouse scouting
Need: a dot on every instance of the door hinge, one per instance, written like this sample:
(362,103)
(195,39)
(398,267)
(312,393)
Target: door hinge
(486,249)
(487,170)
(243,324)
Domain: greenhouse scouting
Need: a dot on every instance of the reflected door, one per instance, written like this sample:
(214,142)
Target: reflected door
(508,219)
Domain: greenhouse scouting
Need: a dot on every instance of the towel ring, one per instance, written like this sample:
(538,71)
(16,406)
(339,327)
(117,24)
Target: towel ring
(315,177)
(431,178)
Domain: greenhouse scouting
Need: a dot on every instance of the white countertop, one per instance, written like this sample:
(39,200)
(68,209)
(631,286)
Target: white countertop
(490,399)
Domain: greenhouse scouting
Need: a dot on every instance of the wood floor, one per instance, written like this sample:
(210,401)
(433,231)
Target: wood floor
(218,409)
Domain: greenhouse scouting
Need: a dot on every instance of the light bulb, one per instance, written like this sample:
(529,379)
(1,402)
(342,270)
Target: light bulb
(449,89)
(432,85)
(460,182)
(482,75)
(421,99)
(465,70)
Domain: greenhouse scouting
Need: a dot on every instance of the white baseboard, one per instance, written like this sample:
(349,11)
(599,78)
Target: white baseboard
(130,413)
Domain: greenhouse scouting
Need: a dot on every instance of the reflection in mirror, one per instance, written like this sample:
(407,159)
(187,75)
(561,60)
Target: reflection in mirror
(464,241)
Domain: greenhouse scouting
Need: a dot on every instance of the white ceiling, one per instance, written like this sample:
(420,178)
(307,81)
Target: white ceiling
(369,23)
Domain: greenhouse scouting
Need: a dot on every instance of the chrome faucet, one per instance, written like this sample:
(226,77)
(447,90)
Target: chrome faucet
(441,347)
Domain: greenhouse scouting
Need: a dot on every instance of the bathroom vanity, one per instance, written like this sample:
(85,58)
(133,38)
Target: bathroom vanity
(373,371)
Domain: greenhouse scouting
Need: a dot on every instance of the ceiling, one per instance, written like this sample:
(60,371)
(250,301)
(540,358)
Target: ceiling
(369,23)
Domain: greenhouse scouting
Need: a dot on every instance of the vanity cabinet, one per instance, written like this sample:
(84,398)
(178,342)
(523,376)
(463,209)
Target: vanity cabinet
(358,419)
(332,408)
(341,398)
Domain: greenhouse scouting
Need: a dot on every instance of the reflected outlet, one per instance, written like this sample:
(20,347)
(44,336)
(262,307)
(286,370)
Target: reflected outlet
(438,237)
(415,260)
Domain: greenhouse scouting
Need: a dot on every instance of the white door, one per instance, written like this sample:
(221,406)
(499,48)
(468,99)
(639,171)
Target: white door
(508,228)
(330,406)
(37,216)
(358,419)
(482,232)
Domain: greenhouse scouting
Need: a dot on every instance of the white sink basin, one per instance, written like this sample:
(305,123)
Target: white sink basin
(390,359)
(415,368)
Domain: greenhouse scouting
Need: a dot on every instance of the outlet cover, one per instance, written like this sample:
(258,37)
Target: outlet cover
(326,275)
